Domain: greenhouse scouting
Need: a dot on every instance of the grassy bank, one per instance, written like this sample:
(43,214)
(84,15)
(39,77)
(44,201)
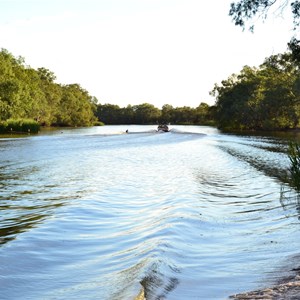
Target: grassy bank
(19,126)
(294,157)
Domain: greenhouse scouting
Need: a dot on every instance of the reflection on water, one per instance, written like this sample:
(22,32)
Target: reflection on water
(12,227)
(188,214)
(290,201)
(266,155)
(156,285)
(24,201)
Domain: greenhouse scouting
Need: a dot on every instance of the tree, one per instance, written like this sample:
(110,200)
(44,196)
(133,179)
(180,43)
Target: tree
(278,77)
(244,10)
(267,97)
(46,74)
(108,113)
(29,93)
(238,100)
(167,113)
(49,111)
(146,114)
(202,113)
(127,115)
(184,115)
(76,107)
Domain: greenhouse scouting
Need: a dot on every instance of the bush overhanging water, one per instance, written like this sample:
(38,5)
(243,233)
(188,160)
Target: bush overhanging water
(19,126)
(294,157)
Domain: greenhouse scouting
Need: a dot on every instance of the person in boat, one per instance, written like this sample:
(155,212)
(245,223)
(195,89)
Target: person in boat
(163,127)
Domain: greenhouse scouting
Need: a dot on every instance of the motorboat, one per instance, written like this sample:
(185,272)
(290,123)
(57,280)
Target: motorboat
(163,128)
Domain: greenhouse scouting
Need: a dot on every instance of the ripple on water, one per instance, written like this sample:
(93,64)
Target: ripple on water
(185,215)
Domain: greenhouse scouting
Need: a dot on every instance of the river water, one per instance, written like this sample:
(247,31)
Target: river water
(92,213)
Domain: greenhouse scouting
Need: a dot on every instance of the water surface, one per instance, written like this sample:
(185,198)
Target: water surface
(94,213)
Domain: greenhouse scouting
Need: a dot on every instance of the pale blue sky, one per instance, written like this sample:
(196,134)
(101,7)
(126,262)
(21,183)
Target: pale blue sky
(134,51)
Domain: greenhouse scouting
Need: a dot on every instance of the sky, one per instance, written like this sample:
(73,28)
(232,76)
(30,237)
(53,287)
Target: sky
(138,51)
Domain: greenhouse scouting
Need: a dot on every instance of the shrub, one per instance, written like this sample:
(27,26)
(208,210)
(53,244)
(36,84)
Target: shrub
(3,127)
(19,126)
(98,123)
(294,157)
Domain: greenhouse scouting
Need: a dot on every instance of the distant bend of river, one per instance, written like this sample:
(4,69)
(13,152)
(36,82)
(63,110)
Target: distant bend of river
(93,213)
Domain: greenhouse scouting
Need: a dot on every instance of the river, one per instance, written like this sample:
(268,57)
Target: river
(93,213)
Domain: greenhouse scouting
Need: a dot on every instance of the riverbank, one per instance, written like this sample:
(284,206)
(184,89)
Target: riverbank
(286,288)
(287,291)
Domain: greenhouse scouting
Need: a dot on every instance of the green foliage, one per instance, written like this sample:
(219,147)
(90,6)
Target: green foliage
(294,157)
(19,126)
(243,11)
(76,107)
(294,46)
(3,127)
(148,114)
(26,93)
(264,98)
(98,123)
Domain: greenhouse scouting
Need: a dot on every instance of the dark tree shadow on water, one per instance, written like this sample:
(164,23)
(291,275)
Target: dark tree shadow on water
(24,204)
(290,200)
(156,285)
(290,193)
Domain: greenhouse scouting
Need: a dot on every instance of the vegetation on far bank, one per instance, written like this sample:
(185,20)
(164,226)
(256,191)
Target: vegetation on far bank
(149,114)
(26,93)
(19,126)
(294,170)
(258,98)
(261,98)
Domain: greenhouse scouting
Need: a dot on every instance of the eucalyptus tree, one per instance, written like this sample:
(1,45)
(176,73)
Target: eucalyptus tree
(127,115)
(167,114)
(279,76)
(9,84)
(29,93)
(267,97)
(146,113)
(108,113)
(244,11)
(46,75)
(202,114)
(184,115)
(76,107)
(237,100)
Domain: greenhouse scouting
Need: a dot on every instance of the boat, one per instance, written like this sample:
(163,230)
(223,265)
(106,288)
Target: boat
(163,128)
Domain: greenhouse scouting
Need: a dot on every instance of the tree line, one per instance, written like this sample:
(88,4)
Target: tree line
(32,94)
(26,93)
(265,97)
(149,114)
(261,98)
